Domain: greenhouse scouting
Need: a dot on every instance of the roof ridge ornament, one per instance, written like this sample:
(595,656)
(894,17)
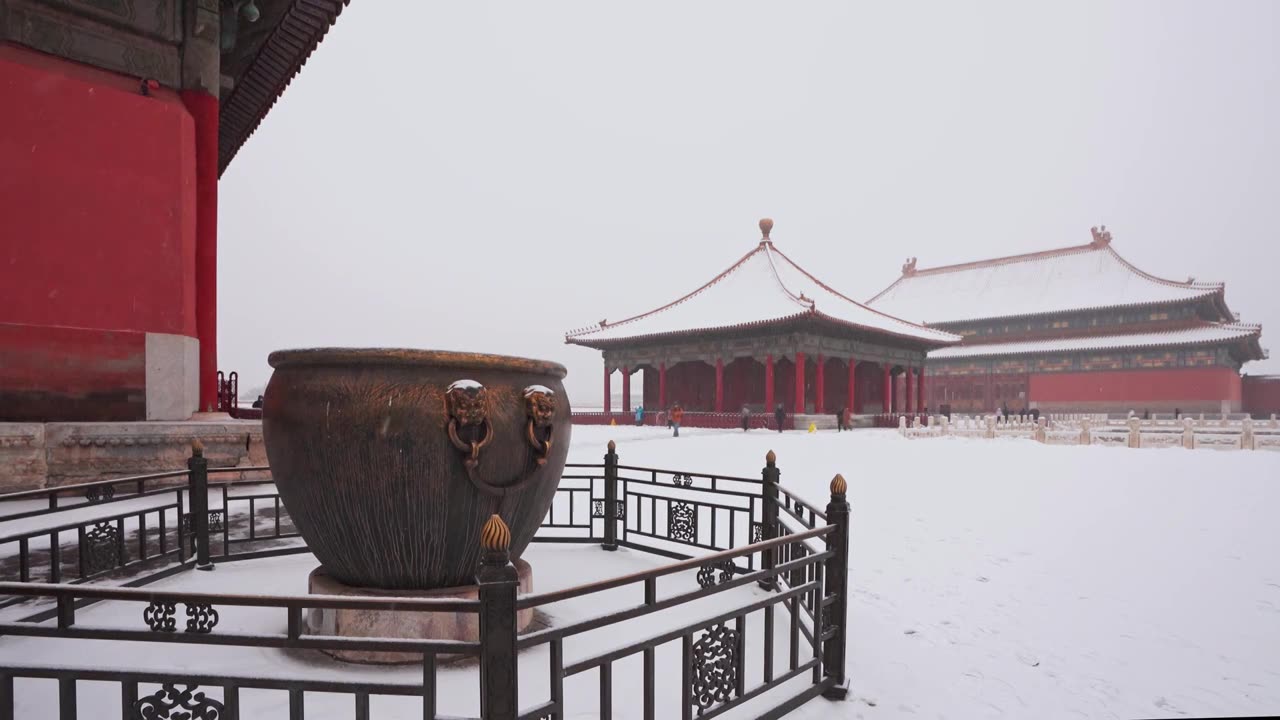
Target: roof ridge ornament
(1101,236)
(909,267)
(766,225)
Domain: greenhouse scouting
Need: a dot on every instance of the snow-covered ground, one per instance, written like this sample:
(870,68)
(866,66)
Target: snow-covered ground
(1013,579)
(997,578)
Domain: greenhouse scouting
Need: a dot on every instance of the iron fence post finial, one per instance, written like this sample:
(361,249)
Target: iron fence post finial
(611,513)
(497,580)
(198,503)
(837,589)
(771,475)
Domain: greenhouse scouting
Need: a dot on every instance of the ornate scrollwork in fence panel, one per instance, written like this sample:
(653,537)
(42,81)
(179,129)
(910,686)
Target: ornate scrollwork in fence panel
(99,493)
(682,522)
(201,618)
(159,616)
(170,703)
(716,665)
(619,509)
(101,548)
(716,573)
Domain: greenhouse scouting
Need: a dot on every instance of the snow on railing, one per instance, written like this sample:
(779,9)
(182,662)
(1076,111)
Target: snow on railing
(1059,429)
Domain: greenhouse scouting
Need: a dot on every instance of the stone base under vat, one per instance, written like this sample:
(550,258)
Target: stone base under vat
(401,624)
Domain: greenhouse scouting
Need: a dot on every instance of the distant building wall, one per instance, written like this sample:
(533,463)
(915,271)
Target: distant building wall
(1188,389)
(1261,394)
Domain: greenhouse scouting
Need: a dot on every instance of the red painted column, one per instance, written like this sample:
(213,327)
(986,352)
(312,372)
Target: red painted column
(626,389)
(799,383)
(204,111)
(719,384)
(608,393)
(920,391)
(820,386)
(910,388)
(853,367)
(887,400)
(662,386)
(768,383)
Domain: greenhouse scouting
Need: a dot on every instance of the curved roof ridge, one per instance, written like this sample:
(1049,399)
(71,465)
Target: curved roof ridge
(842,296)
(726,273)
(769,249)
(1163,281)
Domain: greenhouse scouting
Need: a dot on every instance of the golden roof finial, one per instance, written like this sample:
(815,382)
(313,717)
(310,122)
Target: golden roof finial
(770,457)
(197,447)
(766,225)
(838,485)
(612,446)
(495,535)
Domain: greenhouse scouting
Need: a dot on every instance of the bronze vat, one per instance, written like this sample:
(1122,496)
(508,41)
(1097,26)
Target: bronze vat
(390,461)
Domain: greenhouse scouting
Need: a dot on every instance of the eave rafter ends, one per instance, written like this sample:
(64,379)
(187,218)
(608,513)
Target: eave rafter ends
(1244,337)
(279,60)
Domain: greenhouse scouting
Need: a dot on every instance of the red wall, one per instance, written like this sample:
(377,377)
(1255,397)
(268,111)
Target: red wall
(97,199)
(71,374)
(97,236)
(1262,395)
(1137,386)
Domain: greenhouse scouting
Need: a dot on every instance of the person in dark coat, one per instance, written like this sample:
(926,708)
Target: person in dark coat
(746,418)
(779,415)
(840,420)
(258,403)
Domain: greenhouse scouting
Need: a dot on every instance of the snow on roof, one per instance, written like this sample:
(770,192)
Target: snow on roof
(764,286)
(1074,278)
(1209,333)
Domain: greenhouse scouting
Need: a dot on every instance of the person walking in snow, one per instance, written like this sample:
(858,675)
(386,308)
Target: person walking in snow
(639,415)
(840,416)
(677,414)
(779,415)
(746,418)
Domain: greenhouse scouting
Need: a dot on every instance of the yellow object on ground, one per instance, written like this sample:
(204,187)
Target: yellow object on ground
(813,428)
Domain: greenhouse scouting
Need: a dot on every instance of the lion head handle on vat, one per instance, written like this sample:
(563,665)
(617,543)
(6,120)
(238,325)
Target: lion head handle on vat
(467,408)
(540,406)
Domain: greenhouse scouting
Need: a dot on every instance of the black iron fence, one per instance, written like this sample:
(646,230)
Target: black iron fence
(733,532)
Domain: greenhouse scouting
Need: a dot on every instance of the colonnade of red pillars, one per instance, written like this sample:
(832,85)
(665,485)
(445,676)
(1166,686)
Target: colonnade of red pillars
(914,391)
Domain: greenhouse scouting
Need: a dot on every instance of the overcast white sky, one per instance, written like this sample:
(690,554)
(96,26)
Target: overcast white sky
(485,176)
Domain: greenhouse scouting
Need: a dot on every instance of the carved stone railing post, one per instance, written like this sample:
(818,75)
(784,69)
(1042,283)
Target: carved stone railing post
(1135,432)
(1085,436)
(611,498)
(769,513)
(498,581)
(198,503)
(1246,434)
(837,582)
(1188,434)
